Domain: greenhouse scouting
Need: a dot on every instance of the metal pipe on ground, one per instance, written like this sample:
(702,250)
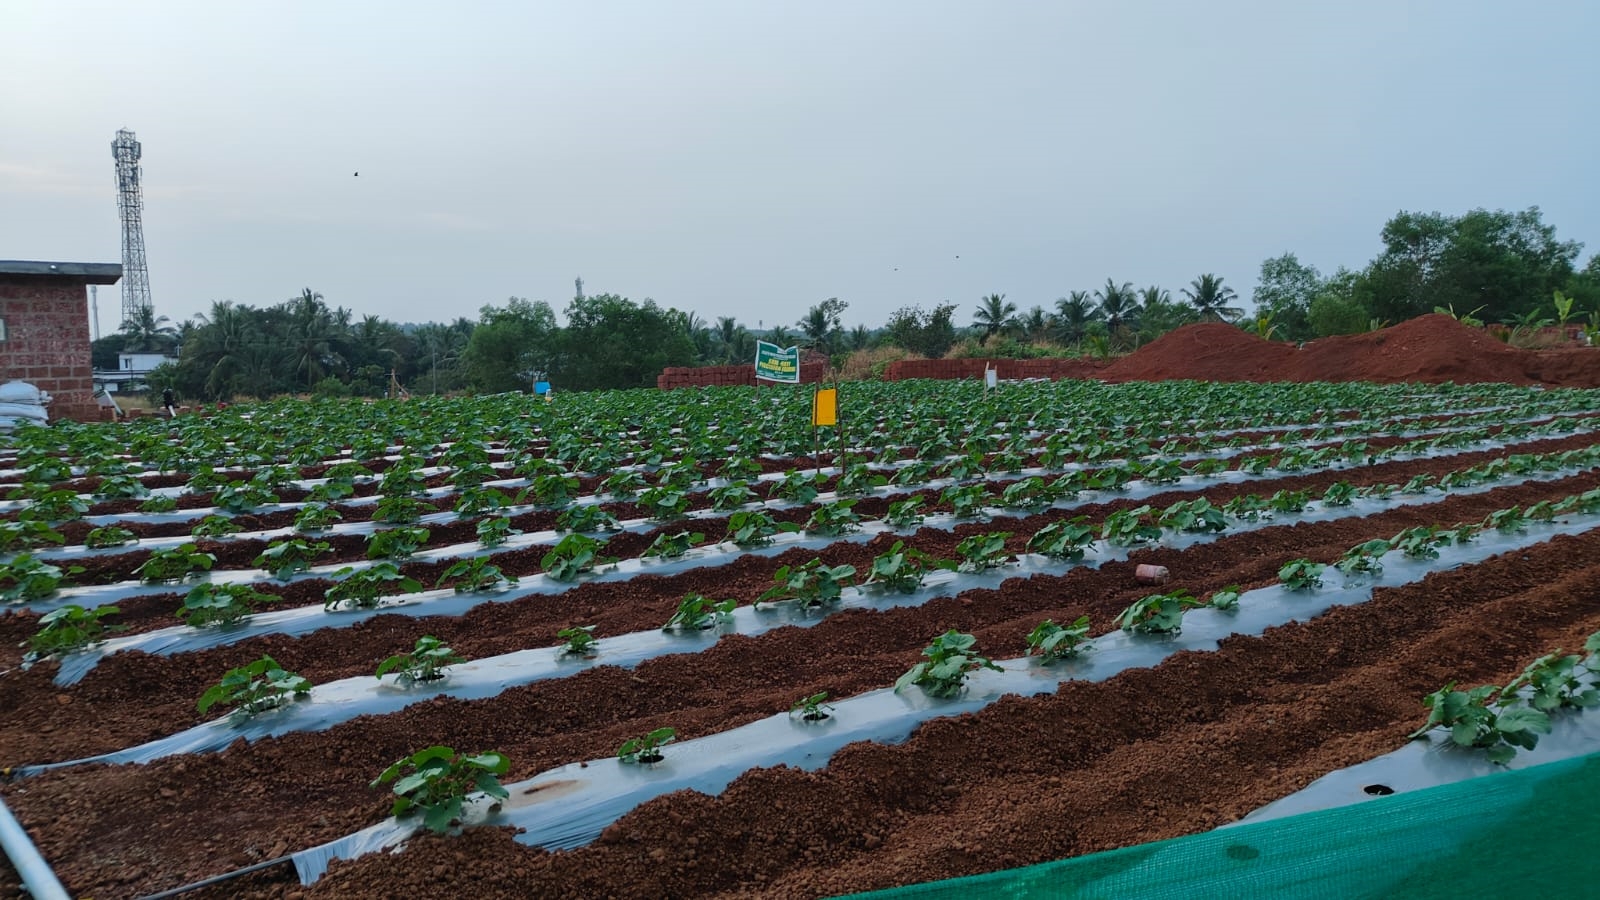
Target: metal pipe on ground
(36,874)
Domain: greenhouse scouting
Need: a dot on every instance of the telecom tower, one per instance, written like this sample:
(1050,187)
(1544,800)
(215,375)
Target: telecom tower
(130,203)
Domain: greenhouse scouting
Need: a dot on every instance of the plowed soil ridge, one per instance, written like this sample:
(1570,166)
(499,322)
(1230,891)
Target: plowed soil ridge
(154,826)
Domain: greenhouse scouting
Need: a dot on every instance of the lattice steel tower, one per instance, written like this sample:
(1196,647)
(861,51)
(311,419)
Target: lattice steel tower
(130,203)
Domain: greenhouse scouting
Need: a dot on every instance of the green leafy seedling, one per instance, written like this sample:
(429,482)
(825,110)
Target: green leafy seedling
(813,708)
(1051,642)
(255,688)
(696,613)
(647,749)
(579,640)
(949,658)
(439,782)
(220,604)
(426,662)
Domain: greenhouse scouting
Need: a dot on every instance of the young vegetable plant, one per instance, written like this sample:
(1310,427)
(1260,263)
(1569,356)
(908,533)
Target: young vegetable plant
(1157,613)
(981,552)
(174,564)
(221,604)
(1051,642)
(440,783)
(289,556)
(1365,558)
(1247,508)
(69,628)
(1301,574)
(314,517)
(256,688)
(834,518)
(811,585)
(664,504)
(25,533)
(493,532)
(1069,539)
(647,749)
(1289,501)
(672,546)
(1127,527)
(574,555)
(29,578)
(624,485)
(797,487)
(400,510)
(858,479)
(215,526)
(1194,515)
(579,640)
(242,496)
(696,613)
(1340,493)
(396,543)
(1226,599)
(949,658)
(588,518)
(730,496)
(159,503)
(1554,681)
(362,588)
(1421,542)
(551,490)
(109,536)
(755,528)
(966,501)
(426,662)
(121,487)
(1030,494)
(901,569)
(474,574)
(54,507)
(905,513)
(1473,722)
(476,500)
(813,708)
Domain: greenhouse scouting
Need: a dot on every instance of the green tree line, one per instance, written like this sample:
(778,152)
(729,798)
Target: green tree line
(1481,267)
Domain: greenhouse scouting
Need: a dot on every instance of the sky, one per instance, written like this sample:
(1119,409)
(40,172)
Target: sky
(751,159)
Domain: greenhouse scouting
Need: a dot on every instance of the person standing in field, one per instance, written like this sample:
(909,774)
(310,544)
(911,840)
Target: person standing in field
(169,404)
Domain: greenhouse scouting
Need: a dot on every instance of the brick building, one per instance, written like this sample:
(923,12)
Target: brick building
(44,330)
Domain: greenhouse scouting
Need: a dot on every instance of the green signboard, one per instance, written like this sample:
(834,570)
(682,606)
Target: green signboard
(774,363)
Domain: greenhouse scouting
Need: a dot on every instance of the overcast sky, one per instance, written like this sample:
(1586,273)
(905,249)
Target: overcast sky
(753,158)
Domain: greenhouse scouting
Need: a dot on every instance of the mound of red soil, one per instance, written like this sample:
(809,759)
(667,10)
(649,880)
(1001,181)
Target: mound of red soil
(1433,348)
(1210,351)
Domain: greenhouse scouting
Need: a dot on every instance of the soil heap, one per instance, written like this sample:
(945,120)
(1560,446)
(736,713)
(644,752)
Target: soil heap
(1433,349)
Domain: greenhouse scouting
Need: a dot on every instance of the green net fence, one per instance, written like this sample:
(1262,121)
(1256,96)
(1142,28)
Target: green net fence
(1526,833)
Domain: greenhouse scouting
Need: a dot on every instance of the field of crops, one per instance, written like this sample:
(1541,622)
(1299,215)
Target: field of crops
(545,587)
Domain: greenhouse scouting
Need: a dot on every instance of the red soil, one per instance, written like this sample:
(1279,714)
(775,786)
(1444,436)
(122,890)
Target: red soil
(1433,349)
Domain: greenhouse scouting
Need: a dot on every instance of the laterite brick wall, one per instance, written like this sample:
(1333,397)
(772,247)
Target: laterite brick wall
(47,341)
(812,367)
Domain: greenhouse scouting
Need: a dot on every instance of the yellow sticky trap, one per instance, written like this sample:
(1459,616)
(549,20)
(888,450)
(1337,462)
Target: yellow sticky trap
(825,407)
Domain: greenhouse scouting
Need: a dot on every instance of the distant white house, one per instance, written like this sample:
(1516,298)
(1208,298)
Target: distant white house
(131,372)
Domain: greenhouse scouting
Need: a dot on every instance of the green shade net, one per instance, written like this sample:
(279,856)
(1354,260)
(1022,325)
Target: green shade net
(1526,833)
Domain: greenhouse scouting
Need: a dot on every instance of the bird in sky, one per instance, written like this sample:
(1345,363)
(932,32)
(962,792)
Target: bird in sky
(357,175)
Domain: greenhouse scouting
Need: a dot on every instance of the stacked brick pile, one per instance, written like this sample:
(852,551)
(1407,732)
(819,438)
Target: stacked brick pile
(812,367)
(1008,368)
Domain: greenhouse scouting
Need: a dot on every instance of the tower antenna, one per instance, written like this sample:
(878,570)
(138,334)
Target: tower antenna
(130,204)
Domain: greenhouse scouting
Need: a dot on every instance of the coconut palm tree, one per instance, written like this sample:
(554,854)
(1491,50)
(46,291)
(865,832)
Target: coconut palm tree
(821,324)
(1119,306)
(994,315)
(1210,298)
(1073,315)
(148,333)
(1035,324)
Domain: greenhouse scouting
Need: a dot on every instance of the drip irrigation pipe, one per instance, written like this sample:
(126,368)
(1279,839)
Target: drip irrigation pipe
(217,879)
(37,876)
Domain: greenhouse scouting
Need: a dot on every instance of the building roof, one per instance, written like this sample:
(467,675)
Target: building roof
(85,273)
